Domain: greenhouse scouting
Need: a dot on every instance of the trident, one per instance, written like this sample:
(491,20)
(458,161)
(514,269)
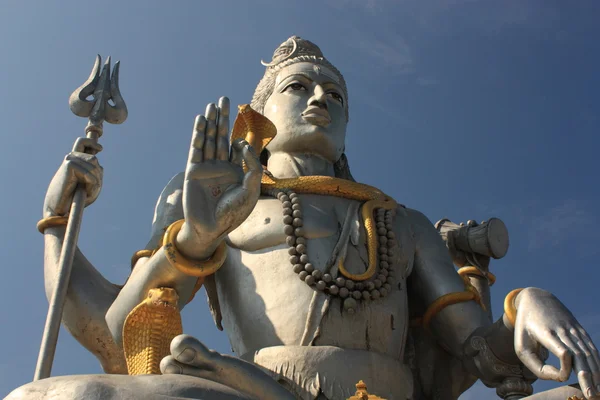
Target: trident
(103,89)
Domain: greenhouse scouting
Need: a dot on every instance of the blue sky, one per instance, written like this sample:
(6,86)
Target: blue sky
(466,109)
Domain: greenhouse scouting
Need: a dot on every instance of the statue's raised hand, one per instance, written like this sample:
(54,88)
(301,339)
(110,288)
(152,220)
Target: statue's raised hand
(543,320)
(217,195)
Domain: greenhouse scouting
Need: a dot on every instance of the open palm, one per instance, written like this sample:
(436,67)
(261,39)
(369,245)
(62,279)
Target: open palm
(217,195)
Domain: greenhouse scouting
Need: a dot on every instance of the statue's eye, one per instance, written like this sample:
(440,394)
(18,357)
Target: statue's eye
(295,86)
(336,96)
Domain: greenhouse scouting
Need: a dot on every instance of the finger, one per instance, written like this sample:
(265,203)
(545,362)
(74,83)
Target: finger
(169,365)
(525,349)
(79,174)
(253,176)
(90,164)
(595,354)
(236,152)
(195,155)
(583,341)
(85,177)
(223,129)
(582,369)
(190,351)
(86,145)
(590,344)
(83,158)
(211,132)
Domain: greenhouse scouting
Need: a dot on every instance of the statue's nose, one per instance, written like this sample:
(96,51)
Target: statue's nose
(319,98)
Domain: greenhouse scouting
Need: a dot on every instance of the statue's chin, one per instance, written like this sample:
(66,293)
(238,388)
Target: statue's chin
(311,139)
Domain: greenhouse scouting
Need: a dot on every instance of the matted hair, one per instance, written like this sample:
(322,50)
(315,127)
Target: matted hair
(292,51)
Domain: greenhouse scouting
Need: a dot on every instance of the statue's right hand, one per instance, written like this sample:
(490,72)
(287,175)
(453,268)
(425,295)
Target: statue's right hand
(217,195)
(80,167)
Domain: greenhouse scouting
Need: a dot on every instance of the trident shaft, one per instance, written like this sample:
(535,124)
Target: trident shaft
(103,89)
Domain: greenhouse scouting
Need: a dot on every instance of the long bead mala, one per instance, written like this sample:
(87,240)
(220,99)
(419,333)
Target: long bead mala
(349,290)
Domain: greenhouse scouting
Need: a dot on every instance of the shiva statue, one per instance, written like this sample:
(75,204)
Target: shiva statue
(319,281)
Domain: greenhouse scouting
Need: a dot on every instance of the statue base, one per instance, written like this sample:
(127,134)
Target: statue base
(116,387)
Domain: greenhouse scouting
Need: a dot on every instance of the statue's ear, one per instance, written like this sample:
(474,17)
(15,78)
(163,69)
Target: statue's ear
(342,169)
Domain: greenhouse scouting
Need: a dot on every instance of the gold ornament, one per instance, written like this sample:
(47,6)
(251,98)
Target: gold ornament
(475,271)
(362,394)
(149,329)
(189,267)
(51,222)
(509,306)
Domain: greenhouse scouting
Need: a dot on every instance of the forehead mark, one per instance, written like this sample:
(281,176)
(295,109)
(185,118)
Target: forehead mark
(301,69)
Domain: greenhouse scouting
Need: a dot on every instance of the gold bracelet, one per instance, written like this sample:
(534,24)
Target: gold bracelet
(509,306)
(189,267)
(474,271)
(51,222)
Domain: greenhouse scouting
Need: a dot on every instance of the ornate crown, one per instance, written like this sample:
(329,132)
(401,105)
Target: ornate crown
(294,47)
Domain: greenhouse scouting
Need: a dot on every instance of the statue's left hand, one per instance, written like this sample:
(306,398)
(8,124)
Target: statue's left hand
(542,320)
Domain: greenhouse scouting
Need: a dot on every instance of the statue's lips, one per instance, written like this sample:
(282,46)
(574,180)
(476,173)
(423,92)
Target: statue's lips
(317,116)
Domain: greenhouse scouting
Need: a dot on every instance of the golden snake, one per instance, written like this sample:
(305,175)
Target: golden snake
(149,329)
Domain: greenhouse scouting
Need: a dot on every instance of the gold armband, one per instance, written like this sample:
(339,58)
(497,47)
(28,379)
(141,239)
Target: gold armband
(509,306)
(140,254)
(445,301)
(189,267)
(466,271)
(449,299)
(51,222)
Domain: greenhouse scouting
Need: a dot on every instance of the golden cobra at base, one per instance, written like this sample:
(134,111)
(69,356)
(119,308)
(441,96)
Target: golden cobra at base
(149,329)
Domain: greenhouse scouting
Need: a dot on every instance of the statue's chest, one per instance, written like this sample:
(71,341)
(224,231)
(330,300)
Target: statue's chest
(265,303)
(319,217)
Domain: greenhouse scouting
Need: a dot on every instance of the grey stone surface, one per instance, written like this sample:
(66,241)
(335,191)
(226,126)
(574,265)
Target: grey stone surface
(120,387)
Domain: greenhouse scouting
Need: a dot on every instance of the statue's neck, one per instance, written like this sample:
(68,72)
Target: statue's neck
(292,165)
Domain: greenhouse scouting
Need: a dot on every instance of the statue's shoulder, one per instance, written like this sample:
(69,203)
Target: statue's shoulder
(412,218)
(169,208)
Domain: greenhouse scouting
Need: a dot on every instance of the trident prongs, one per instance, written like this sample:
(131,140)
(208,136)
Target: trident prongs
(102,87)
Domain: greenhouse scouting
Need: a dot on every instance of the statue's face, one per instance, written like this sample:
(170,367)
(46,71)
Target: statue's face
(308,108)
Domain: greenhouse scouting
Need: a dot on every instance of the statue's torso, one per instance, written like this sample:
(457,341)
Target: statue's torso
(264,303)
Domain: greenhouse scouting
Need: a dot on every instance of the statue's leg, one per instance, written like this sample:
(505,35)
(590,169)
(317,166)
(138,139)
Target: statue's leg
(118,387)
(190,357)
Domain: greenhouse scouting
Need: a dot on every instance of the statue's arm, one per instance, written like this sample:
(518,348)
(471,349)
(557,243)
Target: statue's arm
(88,298)
(156,271)
(515,348)
(89,294)
(434,276)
